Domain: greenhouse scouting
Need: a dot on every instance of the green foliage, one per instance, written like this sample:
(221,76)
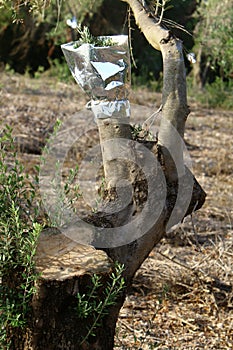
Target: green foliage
(66,197)
(5,15)
(214,34)
(87,38)
(53,14)
(18,238)
(142,132)
(82,8)
(215,95)
(15,8)
(59,70)
(66,194)
(42,8)
(91,305)
(19,232)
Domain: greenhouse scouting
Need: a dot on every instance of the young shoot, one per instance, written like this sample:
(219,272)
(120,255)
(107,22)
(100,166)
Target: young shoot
(87,38)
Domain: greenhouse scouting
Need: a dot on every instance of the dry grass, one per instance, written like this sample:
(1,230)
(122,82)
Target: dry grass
(182,295)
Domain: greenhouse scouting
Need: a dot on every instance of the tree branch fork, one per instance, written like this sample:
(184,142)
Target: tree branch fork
(69,262)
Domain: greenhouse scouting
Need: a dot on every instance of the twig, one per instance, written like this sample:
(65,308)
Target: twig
(175,261)
(127,326)
(152,116)
(194,229)
(162,11)
(130,38)
(173,24)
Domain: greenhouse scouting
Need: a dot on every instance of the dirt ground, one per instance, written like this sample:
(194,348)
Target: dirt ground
(182,295)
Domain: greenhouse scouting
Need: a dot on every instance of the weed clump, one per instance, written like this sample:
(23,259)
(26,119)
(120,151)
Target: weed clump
(19,232)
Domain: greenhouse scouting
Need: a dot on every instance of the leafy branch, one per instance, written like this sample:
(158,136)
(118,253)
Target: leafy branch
(19,232)
(61,196)
(91,304)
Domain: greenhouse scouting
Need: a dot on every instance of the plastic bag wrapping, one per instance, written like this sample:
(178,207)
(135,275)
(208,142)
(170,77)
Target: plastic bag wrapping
(102,72)
(110,109)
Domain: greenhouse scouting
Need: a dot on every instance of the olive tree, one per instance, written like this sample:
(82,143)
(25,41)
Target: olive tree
(213,40)
(76,275)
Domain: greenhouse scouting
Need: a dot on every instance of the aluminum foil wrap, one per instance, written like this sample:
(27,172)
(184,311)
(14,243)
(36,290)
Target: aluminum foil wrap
(109,109)
(102,72)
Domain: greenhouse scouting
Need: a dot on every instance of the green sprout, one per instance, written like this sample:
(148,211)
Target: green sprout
(87,38)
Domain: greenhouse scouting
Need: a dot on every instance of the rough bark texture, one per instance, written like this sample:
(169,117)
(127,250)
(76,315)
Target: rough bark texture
(115,169)
(66,267)
(199,72)
(65,270)
(175,109)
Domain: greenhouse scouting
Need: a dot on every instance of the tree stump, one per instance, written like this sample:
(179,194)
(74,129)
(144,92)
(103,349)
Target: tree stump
(65,269)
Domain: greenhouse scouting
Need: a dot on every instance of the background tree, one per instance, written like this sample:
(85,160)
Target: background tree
(214,41)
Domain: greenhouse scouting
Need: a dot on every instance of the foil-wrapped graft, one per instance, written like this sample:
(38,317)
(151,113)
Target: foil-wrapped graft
(110,109)
(102,72)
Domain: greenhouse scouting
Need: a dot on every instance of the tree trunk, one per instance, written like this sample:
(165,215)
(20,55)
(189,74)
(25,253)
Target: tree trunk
(66,269)
(115,154)
(174,109)
(197,76)
(128,227)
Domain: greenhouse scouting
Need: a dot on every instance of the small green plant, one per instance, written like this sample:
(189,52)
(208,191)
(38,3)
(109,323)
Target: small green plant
(62,195)
(87,38)
(67,195)
(218,94)
(101,194)
(58,70)
(215,95)
(91,305)
(20,214)
(19,232)
(141,132)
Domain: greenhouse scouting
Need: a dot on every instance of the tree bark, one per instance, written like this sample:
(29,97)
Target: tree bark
(65,269)
(174,101)
(136,227)
(115,154)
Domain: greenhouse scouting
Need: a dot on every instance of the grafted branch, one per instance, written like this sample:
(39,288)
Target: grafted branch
(175,109)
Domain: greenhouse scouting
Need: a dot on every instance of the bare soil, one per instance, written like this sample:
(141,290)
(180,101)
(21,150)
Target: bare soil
(182,295)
